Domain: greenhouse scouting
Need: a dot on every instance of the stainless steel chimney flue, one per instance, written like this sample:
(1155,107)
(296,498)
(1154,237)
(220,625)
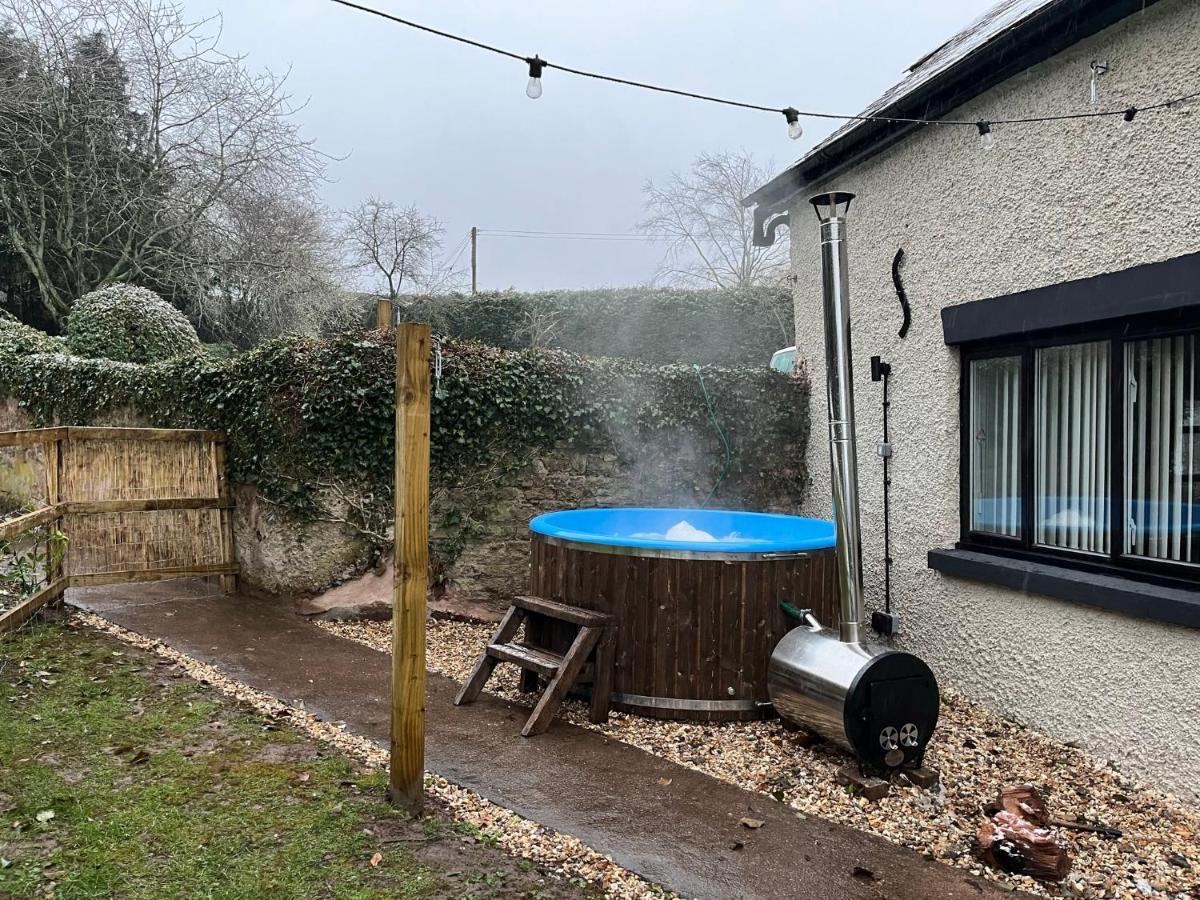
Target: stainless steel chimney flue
(839,369)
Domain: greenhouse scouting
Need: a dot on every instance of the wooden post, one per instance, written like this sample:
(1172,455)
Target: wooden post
(228,582)
(52,455)
(383,313)
(407,777)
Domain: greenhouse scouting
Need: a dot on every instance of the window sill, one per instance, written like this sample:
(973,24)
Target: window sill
(1125,595)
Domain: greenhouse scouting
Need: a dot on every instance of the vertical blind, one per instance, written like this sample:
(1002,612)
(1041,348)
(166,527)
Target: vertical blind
(1071,447)
(996,445)
(1160,396)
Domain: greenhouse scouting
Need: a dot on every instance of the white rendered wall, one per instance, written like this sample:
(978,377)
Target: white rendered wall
(1049,203)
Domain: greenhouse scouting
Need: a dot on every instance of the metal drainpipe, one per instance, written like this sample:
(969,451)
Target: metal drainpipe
(835,283)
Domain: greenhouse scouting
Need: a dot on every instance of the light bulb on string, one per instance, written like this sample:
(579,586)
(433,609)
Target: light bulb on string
(987,140)
(795,129)
(533,89)
(1127,118)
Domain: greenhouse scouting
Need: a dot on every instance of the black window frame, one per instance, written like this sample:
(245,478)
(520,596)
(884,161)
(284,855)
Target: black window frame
(1117,333)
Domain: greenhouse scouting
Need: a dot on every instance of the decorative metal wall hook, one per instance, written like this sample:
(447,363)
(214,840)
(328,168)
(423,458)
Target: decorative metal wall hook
(1098,68)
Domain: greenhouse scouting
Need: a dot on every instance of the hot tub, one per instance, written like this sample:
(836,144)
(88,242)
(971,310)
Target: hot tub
(696,595)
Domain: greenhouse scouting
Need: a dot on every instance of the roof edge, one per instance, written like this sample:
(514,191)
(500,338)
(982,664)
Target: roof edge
(1029,42)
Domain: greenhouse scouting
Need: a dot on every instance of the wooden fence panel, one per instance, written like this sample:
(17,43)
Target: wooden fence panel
(135,504)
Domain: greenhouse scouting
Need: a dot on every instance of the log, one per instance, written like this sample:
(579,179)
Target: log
(1012,843)
(1015,836)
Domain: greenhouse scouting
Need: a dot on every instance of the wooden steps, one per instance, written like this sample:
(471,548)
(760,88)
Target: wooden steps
(541,661)
(593,641)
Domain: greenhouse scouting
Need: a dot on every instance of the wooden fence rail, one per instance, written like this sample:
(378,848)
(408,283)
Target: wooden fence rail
(134,504)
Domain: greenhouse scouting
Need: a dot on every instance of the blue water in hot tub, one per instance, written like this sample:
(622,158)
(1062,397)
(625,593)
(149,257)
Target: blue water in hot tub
(713,530)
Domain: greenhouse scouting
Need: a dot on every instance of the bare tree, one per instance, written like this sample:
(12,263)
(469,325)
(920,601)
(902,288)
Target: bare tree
(710,233)
(393,243)
(124,132)
(275,271)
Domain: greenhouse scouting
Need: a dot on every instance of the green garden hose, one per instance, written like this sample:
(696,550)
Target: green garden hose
(712,415)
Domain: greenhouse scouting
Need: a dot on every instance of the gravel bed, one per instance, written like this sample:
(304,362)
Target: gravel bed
(560,855)
(976,752)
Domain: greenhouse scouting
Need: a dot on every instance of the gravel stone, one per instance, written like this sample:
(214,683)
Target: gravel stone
(976,752)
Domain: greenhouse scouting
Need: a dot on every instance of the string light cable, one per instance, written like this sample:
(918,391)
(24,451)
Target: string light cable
(792,116)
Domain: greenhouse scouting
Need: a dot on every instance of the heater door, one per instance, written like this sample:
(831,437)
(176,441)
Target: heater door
(891,711)
(899,719)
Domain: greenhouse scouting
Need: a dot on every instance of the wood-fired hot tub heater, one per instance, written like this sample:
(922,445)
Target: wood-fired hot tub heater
(878,702)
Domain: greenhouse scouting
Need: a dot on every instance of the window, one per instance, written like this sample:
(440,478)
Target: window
(1083,451)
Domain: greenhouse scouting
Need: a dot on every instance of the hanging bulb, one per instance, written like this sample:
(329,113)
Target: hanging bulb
(987,140)
(533,89)
(1127,119)
(795,129)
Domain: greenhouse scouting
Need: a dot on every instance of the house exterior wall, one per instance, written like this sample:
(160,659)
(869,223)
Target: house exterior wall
(1050,203)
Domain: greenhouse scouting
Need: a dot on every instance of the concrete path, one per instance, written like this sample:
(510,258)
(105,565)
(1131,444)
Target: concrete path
(614,797)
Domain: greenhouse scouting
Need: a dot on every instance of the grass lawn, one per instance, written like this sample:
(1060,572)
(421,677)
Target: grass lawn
(121,777)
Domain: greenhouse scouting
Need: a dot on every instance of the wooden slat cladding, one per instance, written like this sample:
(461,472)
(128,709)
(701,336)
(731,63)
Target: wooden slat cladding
(687,629)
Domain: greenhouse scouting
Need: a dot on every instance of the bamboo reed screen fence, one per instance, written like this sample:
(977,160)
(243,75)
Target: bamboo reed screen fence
(134,504)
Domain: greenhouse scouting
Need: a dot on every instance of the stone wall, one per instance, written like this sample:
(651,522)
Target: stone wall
(1049,203)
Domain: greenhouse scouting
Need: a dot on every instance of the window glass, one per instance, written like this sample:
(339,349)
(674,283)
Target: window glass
(996,445)
(1071,447)
(1161,420)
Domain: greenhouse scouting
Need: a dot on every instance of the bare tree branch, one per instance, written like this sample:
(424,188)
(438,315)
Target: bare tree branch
(710,232)
(386,242)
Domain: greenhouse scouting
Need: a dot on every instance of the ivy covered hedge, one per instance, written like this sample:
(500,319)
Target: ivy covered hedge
(303,412)
(658,325)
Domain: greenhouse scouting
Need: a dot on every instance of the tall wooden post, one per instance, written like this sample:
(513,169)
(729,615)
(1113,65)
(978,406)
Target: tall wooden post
(412,565)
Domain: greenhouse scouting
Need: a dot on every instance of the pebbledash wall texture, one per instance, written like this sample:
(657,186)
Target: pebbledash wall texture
(1049,203)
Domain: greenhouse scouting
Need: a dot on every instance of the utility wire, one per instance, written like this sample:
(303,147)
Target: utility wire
(580,236)
(617,234)
(1127,111)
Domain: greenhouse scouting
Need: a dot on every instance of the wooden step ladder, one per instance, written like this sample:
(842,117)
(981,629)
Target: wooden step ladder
(595,638)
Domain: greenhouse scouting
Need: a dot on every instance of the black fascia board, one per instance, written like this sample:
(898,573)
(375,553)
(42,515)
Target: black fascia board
(1153,288)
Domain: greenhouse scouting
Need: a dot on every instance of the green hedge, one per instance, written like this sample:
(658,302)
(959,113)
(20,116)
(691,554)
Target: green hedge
(302,411)
(658,325)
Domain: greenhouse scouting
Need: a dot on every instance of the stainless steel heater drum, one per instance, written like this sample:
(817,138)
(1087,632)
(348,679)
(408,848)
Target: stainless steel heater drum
(878,703)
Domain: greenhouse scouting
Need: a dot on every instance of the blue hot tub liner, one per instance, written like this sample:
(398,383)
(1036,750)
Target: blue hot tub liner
(733,531)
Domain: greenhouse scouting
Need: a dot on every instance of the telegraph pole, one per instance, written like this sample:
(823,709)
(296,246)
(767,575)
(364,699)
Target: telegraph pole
(474,259)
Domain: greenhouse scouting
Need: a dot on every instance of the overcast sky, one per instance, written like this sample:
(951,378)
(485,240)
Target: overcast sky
(423,120)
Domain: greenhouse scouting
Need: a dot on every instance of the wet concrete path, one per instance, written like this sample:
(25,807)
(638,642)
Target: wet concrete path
(669,824)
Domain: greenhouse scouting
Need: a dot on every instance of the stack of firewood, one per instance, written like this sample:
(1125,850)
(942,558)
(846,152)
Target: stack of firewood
(1016,836)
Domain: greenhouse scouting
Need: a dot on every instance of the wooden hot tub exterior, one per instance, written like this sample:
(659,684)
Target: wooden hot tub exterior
(695,629)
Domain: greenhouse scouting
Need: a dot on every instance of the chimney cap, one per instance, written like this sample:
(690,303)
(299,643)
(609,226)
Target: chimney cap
(834,204)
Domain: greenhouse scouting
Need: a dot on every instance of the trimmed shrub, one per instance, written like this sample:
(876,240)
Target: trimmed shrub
(125,323)
(658,325)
